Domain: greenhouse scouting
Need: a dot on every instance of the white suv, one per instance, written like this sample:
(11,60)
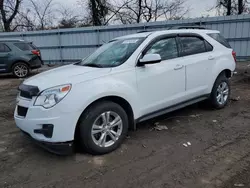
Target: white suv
(126,81)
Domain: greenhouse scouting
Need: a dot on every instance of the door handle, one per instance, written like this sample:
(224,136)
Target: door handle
(210,57)
(178,67)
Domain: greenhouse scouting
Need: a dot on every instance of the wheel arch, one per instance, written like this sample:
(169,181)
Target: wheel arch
(118,100)
(224,75)
(226,72)
(19,61)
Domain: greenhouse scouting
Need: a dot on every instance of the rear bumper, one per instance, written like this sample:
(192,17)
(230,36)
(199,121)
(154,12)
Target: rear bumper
(35,63)
(62,148)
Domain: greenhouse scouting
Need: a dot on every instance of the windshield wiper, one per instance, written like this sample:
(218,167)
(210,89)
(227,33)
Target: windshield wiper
(93,65)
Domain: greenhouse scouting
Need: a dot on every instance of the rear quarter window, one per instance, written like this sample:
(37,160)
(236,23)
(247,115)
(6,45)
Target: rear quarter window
(192,45)
(219,38)
(24,46)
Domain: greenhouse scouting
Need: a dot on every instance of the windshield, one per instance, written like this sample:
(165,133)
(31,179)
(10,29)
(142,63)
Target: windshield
(112,54)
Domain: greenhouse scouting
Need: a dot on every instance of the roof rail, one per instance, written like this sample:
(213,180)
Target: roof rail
(11,40)
(191,27)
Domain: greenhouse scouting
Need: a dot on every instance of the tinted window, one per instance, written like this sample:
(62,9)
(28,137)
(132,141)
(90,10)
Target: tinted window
(192,45)
(24,46)
(167,48)
(4,48)
(219,38)
(209,47)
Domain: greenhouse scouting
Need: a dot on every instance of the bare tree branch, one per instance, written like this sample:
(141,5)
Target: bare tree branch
(42,11)
(151,10)
(9,10)
(231,7)
(115,11)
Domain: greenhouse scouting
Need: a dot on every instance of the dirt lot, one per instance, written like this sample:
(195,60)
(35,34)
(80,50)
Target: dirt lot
(218,157)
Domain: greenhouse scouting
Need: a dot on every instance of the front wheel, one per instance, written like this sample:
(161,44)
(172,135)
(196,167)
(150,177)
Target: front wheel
(220,92)
(20,70)
(103,127)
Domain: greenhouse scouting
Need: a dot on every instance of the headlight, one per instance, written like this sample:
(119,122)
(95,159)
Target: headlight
(50,97)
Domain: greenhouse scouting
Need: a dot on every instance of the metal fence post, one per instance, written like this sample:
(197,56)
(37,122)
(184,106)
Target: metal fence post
(60,46)
(98,36)
(22,35)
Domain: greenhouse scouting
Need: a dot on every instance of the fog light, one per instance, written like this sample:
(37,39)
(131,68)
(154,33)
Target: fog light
(46,130)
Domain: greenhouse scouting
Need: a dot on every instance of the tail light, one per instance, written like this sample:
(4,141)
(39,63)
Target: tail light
(234,55)
(36,52)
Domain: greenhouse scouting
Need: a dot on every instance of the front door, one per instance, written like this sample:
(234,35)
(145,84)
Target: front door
(4,57)
(162,84)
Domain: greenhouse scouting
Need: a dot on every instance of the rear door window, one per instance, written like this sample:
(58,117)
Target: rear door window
(219,38)
(4,48)
(24,46)
(192,45)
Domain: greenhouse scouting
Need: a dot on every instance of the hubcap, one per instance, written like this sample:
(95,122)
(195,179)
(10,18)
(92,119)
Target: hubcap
(222,93)
(107,129)
(21,70)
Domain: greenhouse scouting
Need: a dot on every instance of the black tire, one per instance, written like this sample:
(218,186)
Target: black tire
(213,96)
(24,67)
(86,123)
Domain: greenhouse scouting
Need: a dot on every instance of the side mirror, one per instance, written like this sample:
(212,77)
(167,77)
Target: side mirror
(149,59)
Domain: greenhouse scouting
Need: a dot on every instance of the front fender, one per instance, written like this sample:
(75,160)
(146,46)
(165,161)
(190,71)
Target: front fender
(85,93)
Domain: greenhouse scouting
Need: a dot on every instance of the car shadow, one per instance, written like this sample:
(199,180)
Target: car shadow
(189,111)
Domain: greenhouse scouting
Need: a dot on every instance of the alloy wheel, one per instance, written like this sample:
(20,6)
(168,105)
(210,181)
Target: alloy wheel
(107,129)
(222,93)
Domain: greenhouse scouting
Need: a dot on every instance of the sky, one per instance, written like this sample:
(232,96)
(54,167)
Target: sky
(198,8)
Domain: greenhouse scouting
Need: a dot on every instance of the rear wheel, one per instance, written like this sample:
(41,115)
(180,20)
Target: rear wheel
(20,70)
(221,92)
(103,127)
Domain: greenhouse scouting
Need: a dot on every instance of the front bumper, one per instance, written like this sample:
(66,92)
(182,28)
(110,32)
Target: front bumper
(52,129)
(63,148)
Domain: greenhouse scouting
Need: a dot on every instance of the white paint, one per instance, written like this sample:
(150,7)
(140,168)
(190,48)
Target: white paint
(147,89)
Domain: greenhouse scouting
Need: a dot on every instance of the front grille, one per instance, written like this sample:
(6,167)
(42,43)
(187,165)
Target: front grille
(22,111)
(25,95)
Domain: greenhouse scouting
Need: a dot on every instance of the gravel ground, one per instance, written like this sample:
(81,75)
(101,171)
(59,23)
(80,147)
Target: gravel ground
(219,154)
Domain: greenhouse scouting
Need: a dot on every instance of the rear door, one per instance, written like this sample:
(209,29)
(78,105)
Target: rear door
(5,55)
(198,59)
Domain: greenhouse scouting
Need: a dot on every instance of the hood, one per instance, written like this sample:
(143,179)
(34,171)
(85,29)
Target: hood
(68,74)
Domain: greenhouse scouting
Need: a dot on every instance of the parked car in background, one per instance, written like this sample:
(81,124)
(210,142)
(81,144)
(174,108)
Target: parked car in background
(19,57)
(128,80)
